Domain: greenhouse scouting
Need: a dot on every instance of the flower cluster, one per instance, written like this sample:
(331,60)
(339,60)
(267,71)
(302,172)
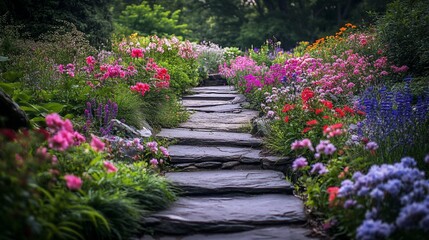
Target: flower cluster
(141,88)
(100,115)
(62,134)
(395,197)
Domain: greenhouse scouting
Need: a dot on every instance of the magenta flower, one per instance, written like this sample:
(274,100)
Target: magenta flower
(299,163)
(90,60)
(164,151)
(153,146)
(73,182)
(97,144)
(137,53)
(154,162)
(110,167)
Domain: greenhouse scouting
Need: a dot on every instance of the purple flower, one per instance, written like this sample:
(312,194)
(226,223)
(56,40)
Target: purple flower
(270,114)
(164,151)
(371,229)
(299,163)
(411,215)
(319,168)
(408,162)
(377,194)
(330,149)
(153,146)
(371,146)
(427,159)
(350,203)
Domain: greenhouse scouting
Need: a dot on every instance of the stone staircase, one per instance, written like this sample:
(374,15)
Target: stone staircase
(229,189)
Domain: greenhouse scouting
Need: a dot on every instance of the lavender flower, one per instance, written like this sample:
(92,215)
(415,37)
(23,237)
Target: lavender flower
(153,146)
(299,163)
(371,146)
(319,168)
(371,229)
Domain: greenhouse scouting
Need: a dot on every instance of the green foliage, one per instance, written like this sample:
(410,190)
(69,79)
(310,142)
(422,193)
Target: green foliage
(150,20)
(36,202)
(40,16)
(131,108)
(404,32)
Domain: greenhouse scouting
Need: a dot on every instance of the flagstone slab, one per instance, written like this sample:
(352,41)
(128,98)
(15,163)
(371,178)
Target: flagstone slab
(217,127)
(211,96)
(188,153)
(268,233)
(242,117)
(214,89)
(232,181)
(189,137)
(203,103)
(227,213)
(218,109)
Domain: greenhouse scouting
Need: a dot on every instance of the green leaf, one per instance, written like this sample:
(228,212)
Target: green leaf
(9,87)
(54,107)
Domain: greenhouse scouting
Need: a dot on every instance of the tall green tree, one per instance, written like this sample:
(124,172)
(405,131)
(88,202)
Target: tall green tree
(92,17)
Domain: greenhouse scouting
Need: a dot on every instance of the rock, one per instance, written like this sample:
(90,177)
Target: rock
(219,108)
(229,122)
(271,233)
(188,137)
(275,163)
(239,99)
(190,169)
(120,128)
(233,181)
(208,165)
(195,154)
(226,213)
(229,165)
(11,116)
(215,89)
(211,96)
(183,165)
(260,127)
(203,103)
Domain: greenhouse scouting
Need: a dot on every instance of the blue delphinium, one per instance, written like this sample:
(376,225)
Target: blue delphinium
(396,198)
(392,118)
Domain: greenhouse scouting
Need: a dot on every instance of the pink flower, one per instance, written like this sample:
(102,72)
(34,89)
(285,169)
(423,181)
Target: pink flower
(90,60)
(164,151)
(73,182)
(137,53)
(110,167)
(299,163)
(153,146)
(97,144)
(54,121)
(54,160)
(78,138)
(141,88)
(61,141)
(154,162)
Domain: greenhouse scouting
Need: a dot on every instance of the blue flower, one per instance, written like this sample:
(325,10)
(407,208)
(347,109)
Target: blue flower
(411,215)
(371,229)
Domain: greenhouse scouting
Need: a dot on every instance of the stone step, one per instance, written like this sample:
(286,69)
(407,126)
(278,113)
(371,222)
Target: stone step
(215,89)
(189,137)
(218,109)
(197,154)
(203,103)
(233,181)
(267,233)
(227,214)
(211,96)
(229,122)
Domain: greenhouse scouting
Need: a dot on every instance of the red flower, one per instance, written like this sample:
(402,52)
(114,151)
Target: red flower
(325,117)
(288,107)
(340,112)
(137,53)
(333,191)
(327,104)
(318,111)
(8,133)
(307,94)
(312,122)
(307,129)
(362,113)
(349,110)
(286,119)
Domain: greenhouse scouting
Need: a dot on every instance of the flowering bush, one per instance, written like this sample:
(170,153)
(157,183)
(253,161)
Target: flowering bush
(54,183)
(210,56)
(390,201)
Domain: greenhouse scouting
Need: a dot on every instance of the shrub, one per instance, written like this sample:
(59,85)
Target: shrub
(403,30)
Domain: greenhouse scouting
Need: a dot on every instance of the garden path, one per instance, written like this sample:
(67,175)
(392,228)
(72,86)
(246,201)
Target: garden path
(230,190)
